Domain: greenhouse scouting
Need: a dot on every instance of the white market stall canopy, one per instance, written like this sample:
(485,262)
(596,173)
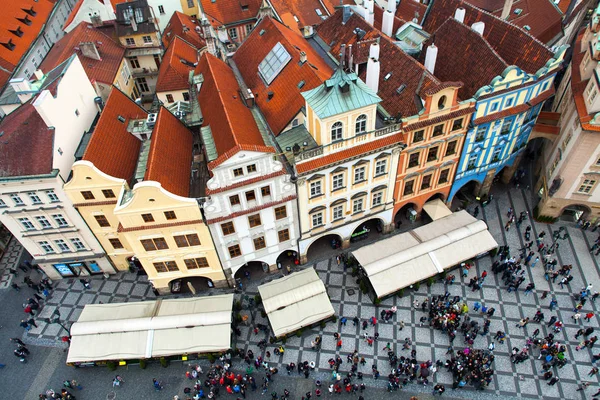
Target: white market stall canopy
(122,331)
(436,209)
(411,257)
(295,301)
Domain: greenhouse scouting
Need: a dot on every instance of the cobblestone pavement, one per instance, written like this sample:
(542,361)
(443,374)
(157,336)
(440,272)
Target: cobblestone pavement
(521,380)
(11,258)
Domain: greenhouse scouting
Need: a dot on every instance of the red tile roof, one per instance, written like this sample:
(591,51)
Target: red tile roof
(578,86)
(304,10)
(231,122)
(111,52)
(26,144)
(378,18)
(286,100)
(170,157)
(229,12)
(184,26)
(408,9)
(404,71)
(173,73)
(112,149)
(78,5)
(513,44)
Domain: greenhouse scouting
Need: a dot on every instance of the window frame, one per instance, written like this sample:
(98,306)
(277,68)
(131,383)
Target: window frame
(285,233)
(360,171)
(87,195)
(357,210)
(251,197)
(251,168)
(187,240)
(259,243)
(196,263)
(60,220)
(423,182)
(408,184)
(43,222)
(254,220)
(379,196)
(148,217)
(26,223)
(62,246)
(378,164)
(237,172)
(52,196)
(35,199)
(587,186)
(168,266)
(336,132)
(420,137)
(418,160)
(227,228)
(334,186)
(454,144)
(170,215)
(435,150)
(457,124)
(360,125)
(235,200)
(77,243)
(115,243)
(265,191)
(46,247)
(334,211)
(108,194)
(318,216)
(438,130)
(279,214)
(317,185)
(446,178)
(234,251)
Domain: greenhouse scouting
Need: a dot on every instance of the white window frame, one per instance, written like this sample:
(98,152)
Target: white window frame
(46,247)
(60,220)
(337,131)
(337,181)
(52,196)
(147,39)
(161,9)
(17,199)
(377,199)
(337,212)
(316,189)
(26,223)
(43,221)
(381,167)
(62,245)
(587,186)
(359,174)
(232,32)
(360,126)
(77,243)
(317,219)
(358,205)
(129,41)
(35,199)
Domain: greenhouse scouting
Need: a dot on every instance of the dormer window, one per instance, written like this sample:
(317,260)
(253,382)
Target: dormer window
(442,102)
(25,20)
(30,11)
(8,44)
(361,124)
(337,130)
(17,32)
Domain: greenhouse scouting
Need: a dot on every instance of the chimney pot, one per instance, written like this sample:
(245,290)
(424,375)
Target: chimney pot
(430,58)
(39,74)
(478,27)
(459,15)
(373,68)
(506,9)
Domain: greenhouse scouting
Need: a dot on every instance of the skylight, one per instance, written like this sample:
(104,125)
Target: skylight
(274,63)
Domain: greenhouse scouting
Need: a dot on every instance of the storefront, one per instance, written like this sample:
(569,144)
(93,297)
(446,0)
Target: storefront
(80,268)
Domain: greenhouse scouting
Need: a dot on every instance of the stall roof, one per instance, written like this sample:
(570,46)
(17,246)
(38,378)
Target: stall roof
(436,209)
(411,257)
(123,331)
(295,301)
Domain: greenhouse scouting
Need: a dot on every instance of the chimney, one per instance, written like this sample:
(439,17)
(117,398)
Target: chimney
(350,57)
(96,20)
(387,25)
(22,88)
(391,6)
(39,74)
(373,67)
(133,23)
(109,9)
(506,9)
(430,58)
(370,4)
(342,56)
(478,27)
(459,15)
(302,57)
(89,50)
(369,15)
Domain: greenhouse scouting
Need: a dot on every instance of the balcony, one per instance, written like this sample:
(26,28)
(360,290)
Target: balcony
(144,72)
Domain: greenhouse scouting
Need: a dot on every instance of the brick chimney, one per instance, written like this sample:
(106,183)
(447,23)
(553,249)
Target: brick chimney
(89,50)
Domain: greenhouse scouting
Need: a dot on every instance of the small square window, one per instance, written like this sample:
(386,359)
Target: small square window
(108,193)
(250,195)
(254,220)
(234,251)
(284,235)
(413,160)
(377,199)
(359,174)
(102,221)
(317,220)
(418,136)
(147,217)
(147,39)
(88,195)
(115,243)
(130,41)
(227,228)
(265,191)
(234,200)
(280,212)
(357,206)
(251,168)
(409,188)
(457,124)
(35,199)
(315,189)
(438,130)
(238,172)
(170,215)
(426,183)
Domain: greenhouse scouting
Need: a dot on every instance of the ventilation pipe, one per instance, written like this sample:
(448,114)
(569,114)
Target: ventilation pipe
(459,15)
(430,58)
(478,27)
(373,67)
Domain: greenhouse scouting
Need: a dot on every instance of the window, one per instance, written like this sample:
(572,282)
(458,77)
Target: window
(102,221)
(170,98)
(234,200)
(170,215)
(254,220)
(154,244)
(457,124)
(315,189)
(77,243)
(35,199)
(337,131)
(443,176)
(187,240)
(317,219)
(227,228)
(587,186)
(380,167)
(87,195)
(377,199)
(130,42)
(438,130)
(273,63)
(480,135)
(361,124)
(338,212)
(135,63)
(234,251)
(76,112)
(432,154)
(357,206)
(413,160)
(337,181)
(494,107)
(147,39)
(44,223)
(190,4)
(115,243)
(284,235)
(166,266)
(186,96)
(108,194)
(60,220)
(592,96)
(505,127)
(496,154)
(265,191)
(250,195)
(426,182)
(451,148)
(142,85)
(52,196)
(233,33)
(409,188)
(251,168)
(418,136)
(147,218)
(26,223)
(161,9)
(359,174)
(249,28)
(62,245)
(442,102)
(472,161)
(47,247)
(509,102)
(16,199)
(238,172)
(259,243)
(195,263)
(280,212)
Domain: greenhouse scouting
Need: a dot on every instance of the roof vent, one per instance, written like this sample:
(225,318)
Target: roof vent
(387,76)
(301,84)
(121,119)
(270,95)
(527,27)
(151,119)
(518,11)
(262,32)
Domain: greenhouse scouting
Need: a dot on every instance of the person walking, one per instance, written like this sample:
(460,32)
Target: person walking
(157,384)
(589,316)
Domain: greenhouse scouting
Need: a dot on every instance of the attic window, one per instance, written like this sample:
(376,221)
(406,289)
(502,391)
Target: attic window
(9,45)
(319,12)
(245,7)
(274,63)
(301,84)
(388,76)
(17,32)
(262,32)
(401,88)
(30,11)
(25,20)
(527,27)
(121,119)
(518,11)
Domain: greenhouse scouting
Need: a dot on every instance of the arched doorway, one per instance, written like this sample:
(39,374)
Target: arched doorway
(324,247)
(369,230)
(192,284)
(465,195)
(574,212)
(436,196)
(252,270)
(287,260)
(406,217)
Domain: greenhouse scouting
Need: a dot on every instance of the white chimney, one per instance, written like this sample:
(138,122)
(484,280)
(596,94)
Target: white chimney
(39,75)
(109,9)
(369,5)
(373,67)
(350,57)
(478,27)
(430,58)
(387,25)
(506,9)
(459,15)
(391,6)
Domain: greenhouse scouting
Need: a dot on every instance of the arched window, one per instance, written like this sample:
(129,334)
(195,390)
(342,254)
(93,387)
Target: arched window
(361,124)
(336,131)
(442,102)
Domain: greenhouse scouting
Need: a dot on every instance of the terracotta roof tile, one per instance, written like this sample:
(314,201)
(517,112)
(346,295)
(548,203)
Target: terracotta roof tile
(378,18)
(111,52)
(348,154)
(78,5)
(578,86)
(27,143)
(112,149)
(304,10)
(227,12)
(184,26)
(408,9)
(170,157)
(286,101)
(173,73)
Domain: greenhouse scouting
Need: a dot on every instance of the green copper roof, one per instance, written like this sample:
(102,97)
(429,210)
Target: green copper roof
(341,93)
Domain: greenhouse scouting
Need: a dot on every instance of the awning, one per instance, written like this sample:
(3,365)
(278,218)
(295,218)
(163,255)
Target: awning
(411,257)
(436,209)
(295,301)
(122,331)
